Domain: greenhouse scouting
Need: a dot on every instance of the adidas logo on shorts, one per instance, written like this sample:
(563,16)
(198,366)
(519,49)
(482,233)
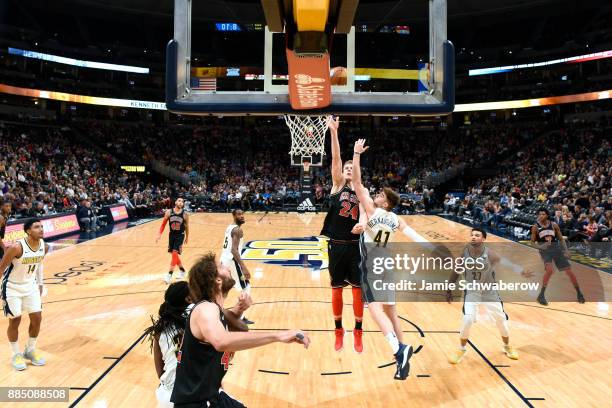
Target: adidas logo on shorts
(306,205)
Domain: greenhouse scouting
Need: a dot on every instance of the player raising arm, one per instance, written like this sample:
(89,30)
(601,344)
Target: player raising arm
(378,225)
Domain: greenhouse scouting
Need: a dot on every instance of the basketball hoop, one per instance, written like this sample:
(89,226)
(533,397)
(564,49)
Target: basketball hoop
(307,137)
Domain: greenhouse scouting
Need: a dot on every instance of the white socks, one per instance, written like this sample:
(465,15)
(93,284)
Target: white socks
(31,345)
(393,342)
(14,347)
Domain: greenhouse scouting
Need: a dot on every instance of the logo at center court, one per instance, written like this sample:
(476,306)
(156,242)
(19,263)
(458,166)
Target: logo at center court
(307,252)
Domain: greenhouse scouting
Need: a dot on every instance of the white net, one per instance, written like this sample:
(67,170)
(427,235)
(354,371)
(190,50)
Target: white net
(307,134)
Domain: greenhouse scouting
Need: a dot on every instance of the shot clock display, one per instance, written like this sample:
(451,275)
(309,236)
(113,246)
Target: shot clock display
(227,27)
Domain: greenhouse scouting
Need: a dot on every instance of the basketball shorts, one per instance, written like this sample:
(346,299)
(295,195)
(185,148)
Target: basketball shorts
(175,242)
(367,281)
(344,261)
(20,298)
(223,400)
(163,397)
(237,275)
(495,309)
(556,256)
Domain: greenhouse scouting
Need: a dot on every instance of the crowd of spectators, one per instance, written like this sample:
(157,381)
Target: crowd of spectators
(237,165)
(569,172)
(44,172)
(232,164)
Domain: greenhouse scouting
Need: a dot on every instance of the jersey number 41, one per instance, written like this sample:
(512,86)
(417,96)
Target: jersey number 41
(379,238)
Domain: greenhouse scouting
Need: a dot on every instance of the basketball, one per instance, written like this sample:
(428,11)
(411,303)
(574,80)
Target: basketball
(338,76)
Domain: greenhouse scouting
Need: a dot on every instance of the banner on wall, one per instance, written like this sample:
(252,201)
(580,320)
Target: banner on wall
(53,227)
(460,107)
(119,212)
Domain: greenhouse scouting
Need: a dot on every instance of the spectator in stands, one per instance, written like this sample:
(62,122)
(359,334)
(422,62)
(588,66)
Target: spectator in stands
(599,215)
(450,202)
(501,211)
(87,217)
(591,228)
(267,200)
(139,205)
(605,232)
(257,202)
(130,207)
(583,201)
(558,219)
(319,195)
(39,210)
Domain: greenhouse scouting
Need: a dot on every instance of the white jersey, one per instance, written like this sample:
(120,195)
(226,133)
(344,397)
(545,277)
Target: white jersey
(381,226)
(226,254)
(22,270)
(481,272)
(170,344)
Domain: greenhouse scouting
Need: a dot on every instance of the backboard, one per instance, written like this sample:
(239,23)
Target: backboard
(398,85)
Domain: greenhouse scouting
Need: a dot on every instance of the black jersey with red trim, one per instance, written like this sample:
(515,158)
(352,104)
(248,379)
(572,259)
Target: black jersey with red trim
(342,216)
(177,222)
(546,233)
(200,368)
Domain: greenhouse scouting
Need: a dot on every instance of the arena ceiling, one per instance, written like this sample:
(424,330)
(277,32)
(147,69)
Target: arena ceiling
(369,11)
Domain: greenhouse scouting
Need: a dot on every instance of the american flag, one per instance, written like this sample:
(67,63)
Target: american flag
(204,84)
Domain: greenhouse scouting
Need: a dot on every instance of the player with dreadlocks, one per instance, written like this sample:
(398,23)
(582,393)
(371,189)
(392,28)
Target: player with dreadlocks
(165,335)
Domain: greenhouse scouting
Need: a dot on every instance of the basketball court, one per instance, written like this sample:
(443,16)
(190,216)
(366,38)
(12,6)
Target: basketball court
(107,288)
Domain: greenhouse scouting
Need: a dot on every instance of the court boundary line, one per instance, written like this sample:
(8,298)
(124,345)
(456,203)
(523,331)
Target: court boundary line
(100,296)
(272,372)
(338,373)
(559,310)
(320,301)
(503,377)
(108,370)
(365,331)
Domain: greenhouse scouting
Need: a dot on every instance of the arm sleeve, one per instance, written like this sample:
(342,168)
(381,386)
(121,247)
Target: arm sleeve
(164,222)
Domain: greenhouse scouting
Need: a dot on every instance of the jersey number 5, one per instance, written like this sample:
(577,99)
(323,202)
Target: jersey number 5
(378,238)
(225,243)
(349,210)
